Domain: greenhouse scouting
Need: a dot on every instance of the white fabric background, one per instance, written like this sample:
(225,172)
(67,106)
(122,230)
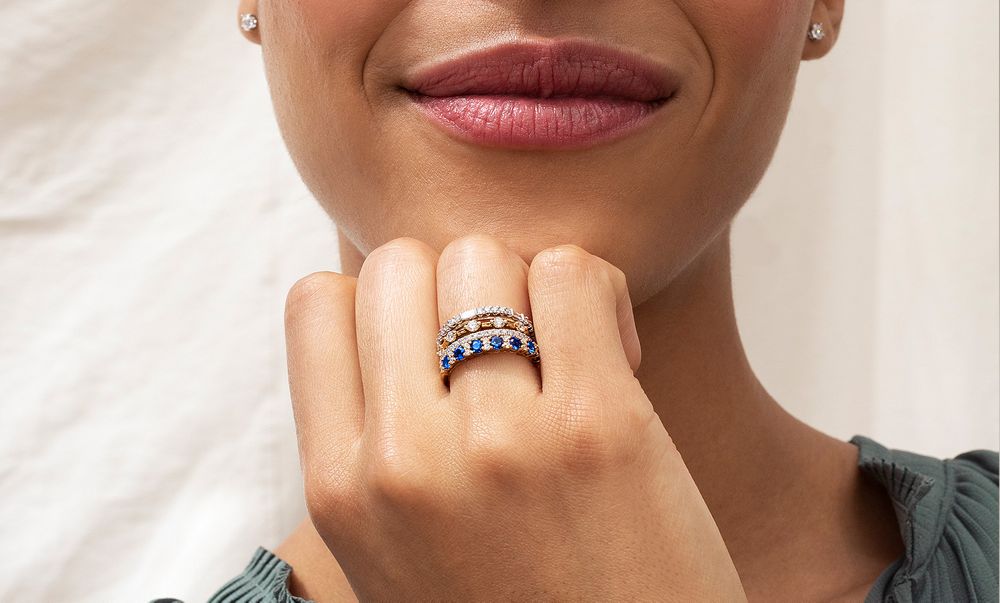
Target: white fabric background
(151,224)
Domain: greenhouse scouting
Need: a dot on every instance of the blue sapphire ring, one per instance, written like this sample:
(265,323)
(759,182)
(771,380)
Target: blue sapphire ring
(482,330)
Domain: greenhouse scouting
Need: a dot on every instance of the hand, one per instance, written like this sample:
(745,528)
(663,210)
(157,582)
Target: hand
(515,481)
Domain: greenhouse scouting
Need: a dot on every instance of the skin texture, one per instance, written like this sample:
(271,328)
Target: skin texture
(657,205)
(512,483)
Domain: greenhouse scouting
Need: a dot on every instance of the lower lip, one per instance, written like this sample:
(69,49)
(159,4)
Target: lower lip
(536,123)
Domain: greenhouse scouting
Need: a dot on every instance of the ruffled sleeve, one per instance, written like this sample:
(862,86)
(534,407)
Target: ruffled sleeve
(264,580)
(947,512)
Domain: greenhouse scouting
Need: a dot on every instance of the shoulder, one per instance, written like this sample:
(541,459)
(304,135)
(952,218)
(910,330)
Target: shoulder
(263,580)
(947,511)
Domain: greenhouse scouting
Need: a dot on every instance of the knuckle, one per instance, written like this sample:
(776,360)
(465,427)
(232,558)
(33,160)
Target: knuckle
(331,495)
(400,263)
(614,275)
(585,450)
(473,241)
(565,262)
(578,437)
(497,455)
(592,437)
(475,248)
(401,251)
(595,453)
(632,429)
(315,291)
(400,483)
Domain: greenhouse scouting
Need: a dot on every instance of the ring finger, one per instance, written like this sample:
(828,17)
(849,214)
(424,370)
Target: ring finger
(480,270)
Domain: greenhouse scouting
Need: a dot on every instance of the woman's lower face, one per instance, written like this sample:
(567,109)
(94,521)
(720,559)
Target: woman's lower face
(642,162)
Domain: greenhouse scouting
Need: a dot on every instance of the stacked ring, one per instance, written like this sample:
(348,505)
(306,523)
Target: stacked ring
(482,330)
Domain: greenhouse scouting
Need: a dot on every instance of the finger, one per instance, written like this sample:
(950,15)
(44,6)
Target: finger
(583,318)
(397,325)
(323,372)
(480,270)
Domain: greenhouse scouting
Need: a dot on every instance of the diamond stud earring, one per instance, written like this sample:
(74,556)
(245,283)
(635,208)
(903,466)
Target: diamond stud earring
(248,22)
(816,32)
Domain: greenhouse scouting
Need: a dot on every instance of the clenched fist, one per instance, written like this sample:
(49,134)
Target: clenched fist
(514,481)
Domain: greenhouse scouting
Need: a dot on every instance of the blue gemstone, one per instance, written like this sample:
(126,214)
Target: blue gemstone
(531,347)
(459,353)
(515,343)
(476,345)
(496,341)
(446,362)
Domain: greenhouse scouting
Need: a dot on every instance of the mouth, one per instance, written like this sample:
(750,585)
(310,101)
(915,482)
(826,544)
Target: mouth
(544,94)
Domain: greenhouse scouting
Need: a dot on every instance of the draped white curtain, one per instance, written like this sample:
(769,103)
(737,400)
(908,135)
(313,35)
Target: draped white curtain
(151,224)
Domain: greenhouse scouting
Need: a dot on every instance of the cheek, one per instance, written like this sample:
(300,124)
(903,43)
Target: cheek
(753,50)
(333,23)
(308,43)
(752,29)
(313,53)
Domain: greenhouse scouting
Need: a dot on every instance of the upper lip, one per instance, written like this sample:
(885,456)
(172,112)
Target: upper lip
(544,69)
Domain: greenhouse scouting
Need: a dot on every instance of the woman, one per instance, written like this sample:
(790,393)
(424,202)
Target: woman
(580,163)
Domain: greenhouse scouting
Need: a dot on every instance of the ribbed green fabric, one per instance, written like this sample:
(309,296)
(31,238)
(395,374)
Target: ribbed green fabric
(947,512)
(264,580)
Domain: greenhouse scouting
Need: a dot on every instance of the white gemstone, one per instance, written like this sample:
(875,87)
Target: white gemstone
(248,22)
(472,325)
(498,322)
(451,336)
(467,314)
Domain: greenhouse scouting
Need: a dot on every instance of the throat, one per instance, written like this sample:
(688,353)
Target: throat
(794,509)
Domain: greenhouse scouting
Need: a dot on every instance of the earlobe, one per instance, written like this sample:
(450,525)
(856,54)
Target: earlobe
(248,21)
(823,28)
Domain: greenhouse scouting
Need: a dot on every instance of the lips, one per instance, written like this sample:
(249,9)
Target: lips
(559,94)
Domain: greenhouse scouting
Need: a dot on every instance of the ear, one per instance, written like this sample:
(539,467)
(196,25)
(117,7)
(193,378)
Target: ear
(829,13)
(248,7)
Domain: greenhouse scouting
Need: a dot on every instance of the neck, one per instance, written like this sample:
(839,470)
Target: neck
(736,440)
(781,492)
(760,471)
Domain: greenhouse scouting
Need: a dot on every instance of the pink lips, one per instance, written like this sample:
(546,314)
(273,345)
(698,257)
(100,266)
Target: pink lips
(561,94)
